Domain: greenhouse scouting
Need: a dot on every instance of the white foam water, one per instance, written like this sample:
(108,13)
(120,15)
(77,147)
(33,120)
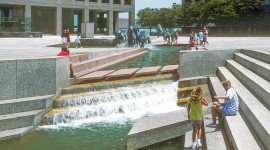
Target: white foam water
(119,106)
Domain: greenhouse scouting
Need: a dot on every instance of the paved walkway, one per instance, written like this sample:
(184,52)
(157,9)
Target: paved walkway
(37,47)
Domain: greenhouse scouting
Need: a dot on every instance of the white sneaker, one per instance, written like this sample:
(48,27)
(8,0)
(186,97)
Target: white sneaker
(193,146)
(199,145)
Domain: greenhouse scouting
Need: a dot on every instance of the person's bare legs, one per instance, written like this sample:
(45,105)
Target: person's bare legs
(194,125)
(216,108)
(199,126)
(194,132)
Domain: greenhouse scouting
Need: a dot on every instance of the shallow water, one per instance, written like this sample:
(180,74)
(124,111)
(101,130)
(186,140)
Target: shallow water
(158,56)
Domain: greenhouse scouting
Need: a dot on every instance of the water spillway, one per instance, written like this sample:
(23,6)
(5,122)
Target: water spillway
(116,105)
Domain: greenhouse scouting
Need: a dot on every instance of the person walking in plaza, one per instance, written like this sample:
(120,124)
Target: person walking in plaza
(194,112)
(200,35)
(64,37)
(68,37)
(176,37)
(78,40)
(231,105)
(65,52)
(205,36)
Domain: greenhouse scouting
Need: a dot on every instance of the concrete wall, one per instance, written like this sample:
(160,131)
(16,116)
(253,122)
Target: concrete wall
(200,63)
(33,77)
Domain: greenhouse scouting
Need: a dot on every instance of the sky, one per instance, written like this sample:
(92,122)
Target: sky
(141,4)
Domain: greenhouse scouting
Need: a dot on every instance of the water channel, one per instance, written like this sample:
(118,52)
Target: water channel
(105,124)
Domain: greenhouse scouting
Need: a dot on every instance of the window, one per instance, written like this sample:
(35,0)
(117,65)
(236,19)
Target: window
(117,1)
(105,1)
(127,2)
(92,0)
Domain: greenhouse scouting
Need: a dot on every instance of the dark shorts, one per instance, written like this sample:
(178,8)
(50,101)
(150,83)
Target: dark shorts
(196,122)
(68,39)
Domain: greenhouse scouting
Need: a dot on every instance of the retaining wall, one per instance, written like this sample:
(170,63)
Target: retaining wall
(202,62)
(33,77)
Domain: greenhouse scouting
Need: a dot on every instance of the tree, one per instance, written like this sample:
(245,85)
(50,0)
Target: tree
(165,17)
(219,12)
(191,14)
(147,17)
(249,11)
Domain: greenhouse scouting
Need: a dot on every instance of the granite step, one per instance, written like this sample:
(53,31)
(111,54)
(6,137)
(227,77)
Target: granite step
(92,63)
(86,71)
(260,55)
(254,111)
(78,57)
(188,140)
(23,104)
(258,85)
(215,137)
(19,120)
(255,65)
(14,133)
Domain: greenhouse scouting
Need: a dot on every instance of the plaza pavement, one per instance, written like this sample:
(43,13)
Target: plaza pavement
(13,48)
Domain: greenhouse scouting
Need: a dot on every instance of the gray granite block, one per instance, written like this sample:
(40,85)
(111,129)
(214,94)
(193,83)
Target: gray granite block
(214,138)
(190,64)
(210,61)
(15,133)
(8,79)
(257,66)
(198,63)
(257,54)
(62,74)
(255,83)
(23,105)
(188,140)
(36,77)
(16,122)
(158,128)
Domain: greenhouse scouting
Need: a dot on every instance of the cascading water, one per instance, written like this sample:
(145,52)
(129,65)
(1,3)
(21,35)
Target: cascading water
(117,105)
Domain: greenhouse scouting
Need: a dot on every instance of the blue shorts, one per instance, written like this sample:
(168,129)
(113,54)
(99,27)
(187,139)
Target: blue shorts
(227,112)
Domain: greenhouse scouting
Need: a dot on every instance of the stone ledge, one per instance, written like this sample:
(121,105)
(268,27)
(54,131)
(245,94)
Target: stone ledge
(158,128)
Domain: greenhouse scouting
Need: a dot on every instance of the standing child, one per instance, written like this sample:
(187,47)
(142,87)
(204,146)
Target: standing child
(195,114)
(78,40)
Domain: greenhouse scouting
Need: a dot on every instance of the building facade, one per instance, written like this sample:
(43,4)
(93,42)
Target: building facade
(54,16)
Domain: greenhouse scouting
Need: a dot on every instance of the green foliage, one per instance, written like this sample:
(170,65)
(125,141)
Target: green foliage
(249,11)
(147,17)
(199,13)
(191,14)
(219,12)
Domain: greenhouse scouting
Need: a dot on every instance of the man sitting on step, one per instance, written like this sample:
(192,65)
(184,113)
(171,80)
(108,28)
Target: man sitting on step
(231,105)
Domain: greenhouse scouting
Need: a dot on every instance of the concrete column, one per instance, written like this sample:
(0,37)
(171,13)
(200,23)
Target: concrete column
(86,15)
(110,22)
(131,18)
(27,18)
(116,21)
(28,11)
(122,2)
(59,20)
(95,21)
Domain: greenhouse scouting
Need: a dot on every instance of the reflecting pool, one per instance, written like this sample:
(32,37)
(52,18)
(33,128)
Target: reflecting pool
(158,56)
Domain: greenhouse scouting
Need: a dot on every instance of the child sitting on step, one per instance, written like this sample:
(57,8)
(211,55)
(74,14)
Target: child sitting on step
(195,114)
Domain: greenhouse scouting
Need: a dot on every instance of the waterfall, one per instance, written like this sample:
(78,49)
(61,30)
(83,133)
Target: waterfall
(118,105)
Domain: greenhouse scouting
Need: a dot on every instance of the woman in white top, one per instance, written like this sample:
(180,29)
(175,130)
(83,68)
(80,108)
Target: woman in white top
(78,40)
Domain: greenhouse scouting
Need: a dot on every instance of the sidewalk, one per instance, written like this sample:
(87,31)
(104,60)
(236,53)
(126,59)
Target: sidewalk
(37,47)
